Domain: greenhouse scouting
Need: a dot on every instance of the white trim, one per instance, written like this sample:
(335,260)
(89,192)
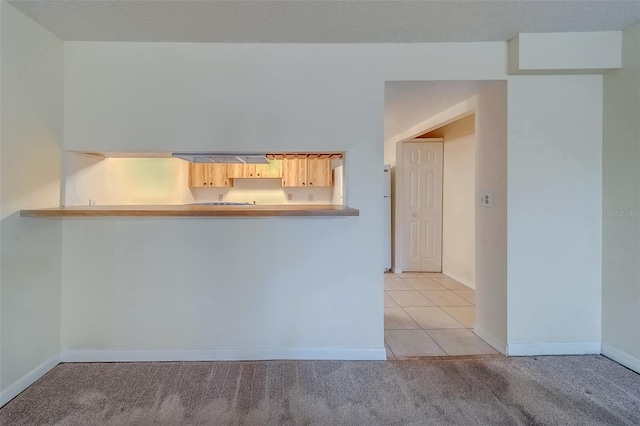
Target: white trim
(396,270)
(28,379)
(496,343)
(461,280)
(574,348)
(226,354)
(621,357)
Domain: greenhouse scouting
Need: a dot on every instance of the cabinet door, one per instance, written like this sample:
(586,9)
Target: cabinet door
(294,172)
(250,170)
(236,170)
(271,170)
(198,175)
(207,175)
(319,172)
(217,175)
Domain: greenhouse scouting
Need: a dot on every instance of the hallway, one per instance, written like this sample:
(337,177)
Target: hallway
(429,314)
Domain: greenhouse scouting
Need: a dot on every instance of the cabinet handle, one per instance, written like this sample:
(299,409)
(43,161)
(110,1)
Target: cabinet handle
(310,183)
(205,184)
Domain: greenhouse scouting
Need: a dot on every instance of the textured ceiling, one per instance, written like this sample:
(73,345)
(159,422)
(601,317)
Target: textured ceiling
(318,21)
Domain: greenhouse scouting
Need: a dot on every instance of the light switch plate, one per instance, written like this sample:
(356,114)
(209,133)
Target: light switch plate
(486,199)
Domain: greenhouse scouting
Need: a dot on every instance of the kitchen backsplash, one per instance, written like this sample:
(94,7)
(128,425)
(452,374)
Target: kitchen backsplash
(263,191)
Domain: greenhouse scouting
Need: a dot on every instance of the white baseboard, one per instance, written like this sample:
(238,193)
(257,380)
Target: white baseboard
(396,270)
(496,343)
(576,348)
(227,354)
(458,278)
(621,357)
(28,379)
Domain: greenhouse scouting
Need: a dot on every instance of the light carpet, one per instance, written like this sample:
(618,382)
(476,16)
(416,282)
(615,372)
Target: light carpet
(565,390)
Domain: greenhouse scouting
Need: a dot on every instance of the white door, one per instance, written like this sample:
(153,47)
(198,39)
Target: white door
(422,206)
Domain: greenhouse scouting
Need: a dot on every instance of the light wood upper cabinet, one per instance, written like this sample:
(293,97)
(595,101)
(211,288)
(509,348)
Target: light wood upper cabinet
(217,174)
(318,172)
(236,171)
(204,175)
(271,170)
(250,170)
(306,172)
(197,175)
(294,172)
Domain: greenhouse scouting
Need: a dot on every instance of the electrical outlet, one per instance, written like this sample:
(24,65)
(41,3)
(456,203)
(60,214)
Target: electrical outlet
(220,197)
(486,199)
(310,197)
(289,197)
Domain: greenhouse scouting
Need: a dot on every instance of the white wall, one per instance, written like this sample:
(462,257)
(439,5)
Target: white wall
(236,91)
(554,214)
(621,203)
(459,200)
(491,222)
(408,103)
(440,119)
(564,53)
(30,149)
(267,287)
(310,287)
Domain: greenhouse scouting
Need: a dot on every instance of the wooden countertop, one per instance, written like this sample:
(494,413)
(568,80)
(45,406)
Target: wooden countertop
(193,211)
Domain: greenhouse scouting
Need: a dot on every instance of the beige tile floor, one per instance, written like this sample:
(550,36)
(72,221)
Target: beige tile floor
(429,315)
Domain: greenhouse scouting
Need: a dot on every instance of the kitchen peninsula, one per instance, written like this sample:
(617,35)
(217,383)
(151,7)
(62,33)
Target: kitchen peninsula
(193,211)
(163,184)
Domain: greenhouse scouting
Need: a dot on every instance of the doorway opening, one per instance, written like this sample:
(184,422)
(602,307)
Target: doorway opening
(446,144)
